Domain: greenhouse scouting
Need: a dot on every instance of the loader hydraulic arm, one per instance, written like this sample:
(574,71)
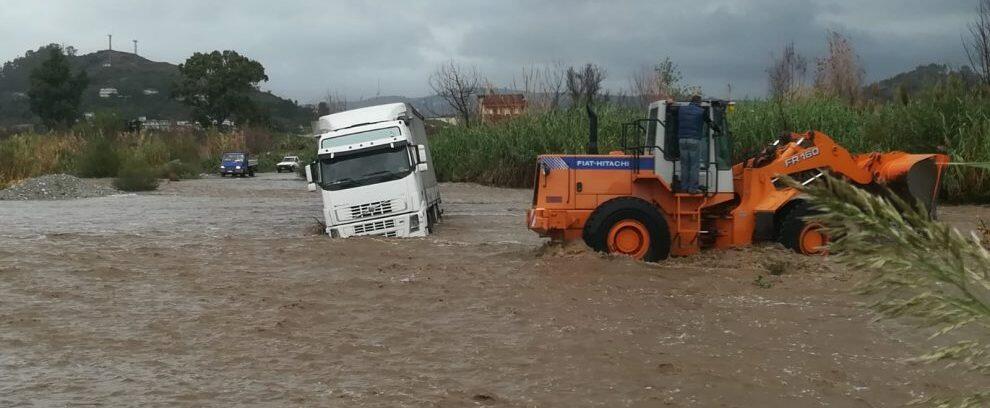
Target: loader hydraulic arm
(802,152)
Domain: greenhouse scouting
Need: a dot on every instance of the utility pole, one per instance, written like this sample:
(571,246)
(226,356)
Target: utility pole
(135,47)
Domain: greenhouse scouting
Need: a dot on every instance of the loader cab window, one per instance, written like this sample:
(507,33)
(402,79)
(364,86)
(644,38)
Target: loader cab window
(671,144)
(671,148)
(723,141)
(651,128)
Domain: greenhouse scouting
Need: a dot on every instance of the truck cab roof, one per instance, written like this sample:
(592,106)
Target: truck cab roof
(365,116)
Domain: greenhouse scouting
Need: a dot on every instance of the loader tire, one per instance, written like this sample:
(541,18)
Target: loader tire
(802,236)
(628,226)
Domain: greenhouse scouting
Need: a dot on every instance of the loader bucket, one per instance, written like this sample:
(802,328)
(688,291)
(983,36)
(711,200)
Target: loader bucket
(915,178)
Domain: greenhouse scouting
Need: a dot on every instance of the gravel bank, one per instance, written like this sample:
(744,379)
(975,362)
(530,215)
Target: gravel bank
(55,187)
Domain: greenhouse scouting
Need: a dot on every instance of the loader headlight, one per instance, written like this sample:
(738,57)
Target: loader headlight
(414,223)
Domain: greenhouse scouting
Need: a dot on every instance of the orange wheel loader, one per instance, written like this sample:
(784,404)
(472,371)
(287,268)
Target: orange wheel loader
(627,202)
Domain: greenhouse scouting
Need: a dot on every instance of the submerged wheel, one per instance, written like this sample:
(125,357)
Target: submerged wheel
(431,219)
(804,237)
(628,226)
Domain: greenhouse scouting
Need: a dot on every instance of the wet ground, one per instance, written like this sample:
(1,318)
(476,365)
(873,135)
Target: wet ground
(214,292)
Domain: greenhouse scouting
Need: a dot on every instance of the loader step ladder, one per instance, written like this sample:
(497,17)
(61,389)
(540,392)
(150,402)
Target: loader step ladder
(687,222)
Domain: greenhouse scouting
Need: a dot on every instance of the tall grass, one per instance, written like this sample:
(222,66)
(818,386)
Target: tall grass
(23,156)
(504,154)
(946,118)
(918,269)
(100,151)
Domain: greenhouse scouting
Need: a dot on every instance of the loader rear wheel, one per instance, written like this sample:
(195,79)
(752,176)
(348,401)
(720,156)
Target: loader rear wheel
(628,226)
(801,236)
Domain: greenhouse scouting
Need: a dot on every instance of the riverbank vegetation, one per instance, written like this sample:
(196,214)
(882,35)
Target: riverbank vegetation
(92,151)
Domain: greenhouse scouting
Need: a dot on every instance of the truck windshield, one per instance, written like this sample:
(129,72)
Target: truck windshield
(233,157)
(361,169)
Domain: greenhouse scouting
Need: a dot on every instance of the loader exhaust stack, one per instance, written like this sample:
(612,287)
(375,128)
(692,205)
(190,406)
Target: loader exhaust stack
(592,130)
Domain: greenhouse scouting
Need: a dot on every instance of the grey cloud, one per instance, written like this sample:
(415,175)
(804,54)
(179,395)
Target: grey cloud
(363,48)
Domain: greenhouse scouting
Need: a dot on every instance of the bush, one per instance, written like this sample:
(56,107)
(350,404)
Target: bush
(136,175)
(176,170)
(99,158)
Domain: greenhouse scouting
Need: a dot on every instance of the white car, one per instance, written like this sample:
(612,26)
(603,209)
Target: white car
(288,163)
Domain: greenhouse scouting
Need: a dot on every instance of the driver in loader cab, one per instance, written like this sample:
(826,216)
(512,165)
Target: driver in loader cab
(691,119)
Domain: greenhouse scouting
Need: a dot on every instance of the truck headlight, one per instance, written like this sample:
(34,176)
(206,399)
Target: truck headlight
(414,223)
(221,167)
(237,167)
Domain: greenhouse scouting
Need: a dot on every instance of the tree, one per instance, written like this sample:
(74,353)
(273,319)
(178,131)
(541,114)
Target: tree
(786,74)
(457,85)
(653,83)
(54,92)
(332,102)
(839,73)
(217,86)
(978,46)
(585,84)
(553,84)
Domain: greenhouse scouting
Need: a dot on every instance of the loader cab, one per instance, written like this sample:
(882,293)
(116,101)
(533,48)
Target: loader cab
(716,145)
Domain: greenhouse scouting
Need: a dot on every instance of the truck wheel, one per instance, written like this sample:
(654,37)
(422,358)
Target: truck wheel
(628,226)
(222,175)
(801,236)
(251,173)
(431,219)
(278,169)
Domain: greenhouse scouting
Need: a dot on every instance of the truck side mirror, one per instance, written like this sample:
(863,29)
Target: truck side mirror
(421,162)
(312,175)
(421,154)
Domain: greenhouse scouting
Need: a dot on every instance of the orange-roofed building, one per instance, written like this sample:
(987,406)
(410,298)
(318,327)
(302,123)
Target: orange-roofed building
(496,107)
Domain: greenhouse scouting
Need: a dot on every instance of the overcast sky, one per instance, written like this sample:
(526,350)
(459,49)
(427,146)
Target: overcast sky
(363,48)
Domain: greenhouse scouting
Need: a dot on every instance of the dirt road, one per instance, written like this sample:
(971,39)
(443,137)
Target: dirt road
(211,292)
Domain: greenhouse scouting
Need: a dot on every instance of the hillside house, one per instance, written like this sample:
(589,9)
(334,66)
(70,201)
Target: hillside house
(496,107)
(108,92)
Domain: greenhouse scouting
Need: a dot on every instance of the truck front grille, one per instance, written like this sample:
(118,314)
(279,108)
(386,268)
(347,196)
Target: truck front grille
(372,227)
(371,209)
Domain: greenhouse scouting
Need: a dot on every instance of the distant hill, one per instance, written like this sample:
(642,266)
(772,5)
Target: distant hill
(143,87)
(918,79)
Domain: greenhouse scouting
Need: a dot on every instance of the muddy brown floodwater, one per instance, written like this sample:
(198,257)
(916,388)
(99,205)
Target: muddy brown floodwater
(212,292)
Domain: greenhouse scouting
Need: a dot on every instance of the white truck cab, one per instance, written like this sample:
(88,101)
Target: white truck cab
(374,170)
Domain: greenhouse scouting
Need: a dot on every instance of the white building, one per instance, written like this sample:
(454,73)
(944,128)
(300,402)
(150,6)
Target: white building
(108,92)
